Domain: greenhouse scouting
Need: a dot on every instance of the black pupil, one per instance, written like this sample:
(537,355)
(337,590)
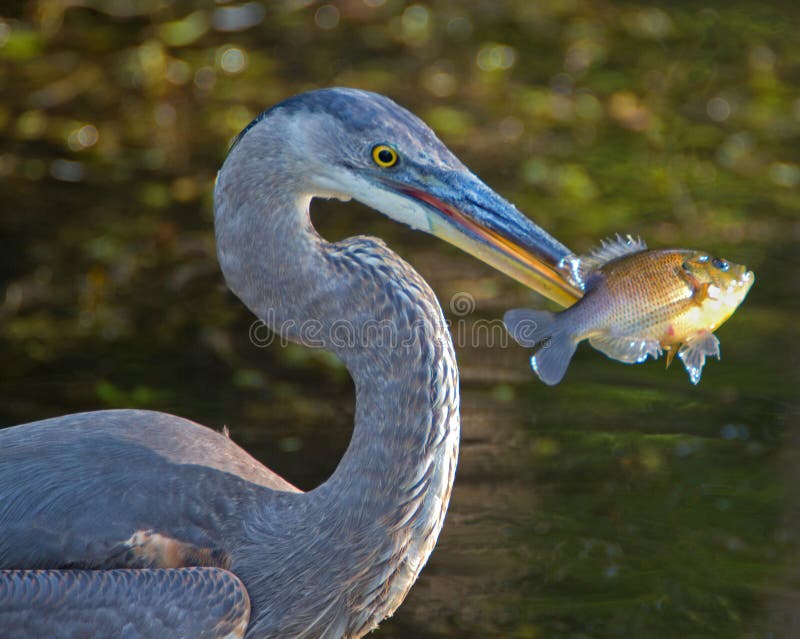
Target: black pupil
(722,265)
(386,156)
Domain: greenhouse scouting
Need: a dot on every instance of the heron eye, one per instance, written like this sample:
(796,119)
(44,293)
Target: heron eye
(384,156)
(720,264)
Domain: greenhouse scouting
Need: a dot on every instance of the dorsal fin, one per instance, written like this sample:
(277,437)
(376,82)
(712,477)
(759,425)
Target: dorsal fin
(609,249)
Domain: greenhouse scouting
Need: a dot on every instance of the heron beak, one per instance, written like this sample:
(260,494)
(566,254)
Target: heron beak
(471,216)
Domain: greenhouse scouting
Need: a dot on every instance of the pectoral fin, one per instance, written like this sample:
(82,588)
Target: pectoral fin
(700,293)
(631,350)
(694,352)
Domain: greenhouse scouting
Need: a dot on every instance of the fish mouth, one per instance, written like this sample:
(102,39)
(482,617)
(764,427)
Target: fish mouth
(729,299)
(494,231)
(744,281)
(735,283)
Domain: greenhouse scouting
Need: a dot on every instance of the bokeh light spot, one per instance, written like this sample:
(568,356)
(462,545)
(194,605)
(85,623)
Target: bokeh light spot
(327,17)
(238,17)
(511,129)
(416,24)
(718,109)
(165,114)
(66,170)
(83,137)
(496,57)
(784,174)
(459,28)
(178,72)
(233,60)
(31,124)
(205,78)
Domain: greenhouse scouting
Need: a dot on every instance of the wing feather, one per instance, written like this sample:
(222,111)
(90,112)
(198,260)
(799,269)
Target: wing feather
(201,603)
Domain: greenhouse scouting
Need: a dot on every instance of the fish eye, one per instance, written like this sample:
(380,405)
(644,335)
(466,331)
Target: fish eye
(384,156)
(720,264)
(703,258)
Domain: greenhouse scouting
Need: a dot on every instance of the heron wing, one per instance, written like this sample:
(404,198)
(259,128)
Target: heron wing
(124,489)
(137,604)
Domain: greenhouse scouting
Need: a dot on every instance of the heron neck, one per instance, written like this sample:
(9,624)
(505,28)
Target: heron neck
(359,300)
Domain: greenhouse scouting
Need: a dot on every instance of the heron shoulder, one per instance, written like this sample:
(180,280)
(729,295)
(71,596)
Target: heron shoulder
(175,439)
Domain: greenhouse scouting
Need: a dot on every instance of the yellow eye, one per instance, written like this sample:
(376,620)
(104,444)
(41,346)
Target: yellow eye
(384,156)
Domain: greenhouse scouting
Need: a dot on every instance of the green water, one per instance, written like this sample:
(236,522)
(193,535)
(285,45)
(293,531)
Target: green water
(623,502)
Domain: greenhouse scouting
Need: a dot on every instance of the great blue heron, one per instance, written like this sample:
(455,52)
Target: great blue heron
(137,523)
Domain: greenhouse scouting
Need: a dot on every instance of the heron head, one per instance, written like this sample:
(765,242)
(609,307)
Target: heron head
(348,143)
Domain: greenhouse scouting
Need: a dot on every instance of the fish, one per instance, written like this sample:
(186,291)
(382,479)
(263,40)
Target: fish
(637,303)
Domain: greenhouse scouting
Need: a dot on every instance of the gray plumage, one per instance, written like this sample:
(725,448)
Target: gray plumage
(133,489)
(190,603)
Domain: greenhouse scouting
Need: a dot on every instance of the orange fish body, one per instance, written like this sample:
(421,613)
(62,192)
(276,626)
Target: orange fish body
(637,303)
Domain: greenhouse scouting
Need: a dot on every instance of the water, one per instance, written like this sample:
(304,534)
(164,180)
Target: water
(623,502)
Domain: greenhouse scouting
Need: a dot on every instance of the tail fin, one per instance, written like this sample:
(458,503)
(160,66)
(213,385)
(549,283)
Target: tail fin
(540,330)
(529,327)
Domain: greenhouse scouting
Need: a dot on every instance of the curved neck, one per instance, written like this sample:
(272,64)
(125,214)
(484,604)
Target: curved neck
(359,300)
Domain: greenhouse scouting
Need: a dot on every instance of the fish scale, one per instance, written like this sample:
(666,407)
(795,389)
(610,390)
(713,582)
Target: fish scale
(667,295)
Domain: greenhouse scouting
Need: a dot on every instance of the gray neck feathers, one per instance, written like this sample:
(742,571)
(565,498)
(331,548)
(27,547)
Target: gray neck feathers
(384,505)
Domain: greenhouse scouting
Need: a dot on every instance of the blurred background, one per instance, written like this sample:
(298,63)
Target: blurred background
(623,502)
